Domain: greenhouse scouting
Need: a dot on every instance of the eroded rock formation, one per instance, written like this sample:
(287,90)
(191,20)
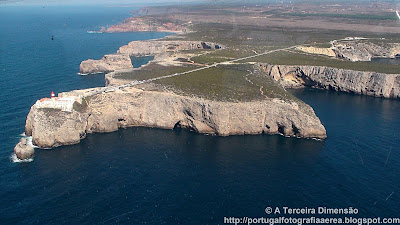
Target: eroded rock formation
(365,50)
(106,64)
(356,49)
(106,112)
(367,83)
(121,60)
(23,150)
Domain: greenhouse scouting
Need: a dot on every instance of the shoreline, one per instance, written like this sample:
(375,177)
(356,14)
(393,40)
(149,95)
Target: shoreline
(120,61)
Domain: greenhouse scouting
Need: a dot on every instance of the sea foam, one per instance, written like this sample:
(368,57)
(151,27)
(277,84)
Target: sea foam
(15,159)
(28,140)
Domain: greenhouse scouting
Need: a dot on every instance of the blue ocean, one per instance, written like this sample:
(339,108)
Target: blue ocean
(154,176)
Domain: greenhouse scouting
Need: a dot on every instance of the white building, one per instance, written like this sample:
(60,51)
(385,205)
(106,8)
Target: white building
(62,103)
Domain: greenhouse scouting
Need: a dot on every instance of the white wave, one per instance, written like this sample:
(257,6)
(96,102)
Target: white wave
(84,74)
(29,142)
(15,159)
(94,32)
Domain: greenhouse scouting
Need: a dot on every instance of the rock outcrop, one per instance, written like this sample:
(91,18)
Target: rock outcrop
(356,49)
(23,150)
(152,47)
(121,60)
(129,107)
(319,51)
(365,50)
(367,83)
(106,64)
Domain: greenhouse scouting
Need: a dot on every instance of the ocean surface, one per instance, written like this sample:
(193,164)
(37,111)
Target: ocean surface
(153,176)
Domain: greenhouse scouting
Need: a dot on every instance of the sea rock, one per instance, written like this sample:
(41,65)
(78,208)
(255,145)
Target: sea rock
(359,82)
(106,64)
(133,107)
(23,150)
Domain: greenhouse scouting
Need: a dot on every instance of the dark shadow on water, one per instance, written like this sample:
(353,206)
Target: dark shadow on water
(154,176)
(180,172)
(139,61)
(395,61)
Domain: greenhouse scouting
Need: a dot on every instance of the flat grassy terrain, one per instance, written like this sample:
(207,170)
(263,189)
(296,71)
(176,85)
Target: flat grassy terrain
(385,16)
(248,40)
(232,83)
(246,31)
(152,71)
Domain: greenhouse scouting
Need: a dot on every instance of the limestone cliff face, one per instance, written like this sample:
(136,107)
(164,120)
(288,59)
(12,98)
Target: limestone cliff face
(106,112)
(356,49)
(365,51)
(367,83)
(151,47)
(53,127)
(121,60)
(106,64)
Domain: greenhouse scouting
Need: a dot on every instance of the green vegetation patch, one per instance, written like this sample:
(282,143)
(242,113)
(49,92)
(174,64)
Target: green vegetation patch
(210,59)
(152,71)
(230,83)
(80,107)
(386,16)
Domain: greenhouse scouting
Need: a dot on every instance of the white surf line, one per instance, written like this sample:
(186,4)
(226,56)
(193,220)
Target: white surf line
(198,69)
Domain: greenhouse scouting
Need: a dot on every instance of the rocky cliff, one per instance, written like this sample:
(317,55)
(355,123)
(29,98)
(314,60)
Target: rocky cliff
(356,50)
(129,107)
(121,60)
(367,83)
(151,47)
(142,24)
(106,64)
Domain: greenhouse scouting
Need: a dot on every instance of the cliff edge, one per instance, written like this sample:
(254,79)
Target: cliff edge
(359,82)
(121,60)
(102,110)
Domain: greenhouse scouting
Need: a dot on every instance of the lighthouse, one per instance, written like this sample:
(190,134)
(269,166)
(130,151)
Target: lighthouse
(52,94)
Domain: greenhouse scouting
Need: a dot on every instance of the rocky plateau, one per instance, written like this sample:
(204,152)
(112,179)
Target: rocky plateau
(121,60)
(359,82)
(134,107)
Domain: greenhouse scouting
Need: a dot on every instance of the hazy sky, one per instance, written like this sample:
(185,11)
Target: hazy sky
(80,2)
